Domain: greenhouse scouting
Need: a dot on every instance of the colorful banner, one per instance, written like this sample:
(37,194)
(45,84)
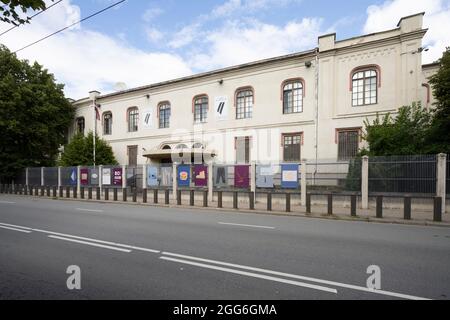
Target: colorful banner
(264,176)
(184,176)
(152,176)
(289,176)
(242,176)
(73,177)
(220,176)
(106,176)
(84,177)
(200,175)
(93,176)
(117,177)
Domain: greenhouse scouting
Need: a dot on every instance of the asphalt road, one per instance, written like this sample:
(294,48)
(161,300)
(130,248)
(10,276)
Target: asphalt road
(143,252)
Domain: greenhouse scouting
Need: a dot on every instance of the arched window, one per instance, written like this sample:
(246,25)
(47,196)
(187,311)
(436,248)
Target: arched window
(200,109)
(167,147)
(80,125)
(164,115)
(182,146)
(107,123)
(198,146)
(364,86)
(133,119)
(244,103)
(293,96)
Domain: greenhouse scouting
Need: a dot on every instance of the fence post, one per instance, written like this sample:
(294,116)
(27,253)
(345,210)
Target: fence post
(437,215)
(42,177)
(174,181)
(67,192)
(288,202)
(211,182)
(100,178)
(365,183)
(78,179)
(441,177)
(269,201)
(308,203)
(59,178)
(251,200)
(253,178)
(407,208)
(303,182)
(379,207)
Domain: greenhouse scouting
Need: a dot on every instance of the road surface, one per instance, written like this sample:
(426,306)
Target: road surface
(144,252)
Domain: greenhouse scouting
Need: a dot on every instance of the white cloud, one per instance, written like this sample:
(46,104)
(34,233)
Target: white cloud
(86,60)
(153,34)
(248,6)
(437,17)
(152,13)
(239,42)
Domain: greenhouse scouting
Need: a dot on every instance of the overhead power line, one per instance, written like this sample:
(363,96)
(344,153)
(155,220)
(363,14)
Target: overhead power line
(73,24)
(35,15)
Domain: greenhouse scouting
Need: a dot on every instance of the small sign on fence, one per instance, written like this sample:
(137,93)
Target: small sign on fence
(117,176)
(184,175)
(152,176)
(289,176)
(106,176)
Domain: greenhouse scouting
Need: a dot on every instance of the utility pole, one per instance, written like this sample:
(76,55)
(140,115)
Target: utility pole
(93,96)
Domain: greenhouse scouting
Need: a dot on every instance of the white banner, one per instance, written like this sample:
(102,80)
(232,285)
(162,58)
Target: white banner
(147,119)
(106,176)
(221,108)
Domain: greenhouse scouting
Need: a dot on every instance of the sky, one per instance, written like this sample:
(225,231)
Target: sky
(141,42)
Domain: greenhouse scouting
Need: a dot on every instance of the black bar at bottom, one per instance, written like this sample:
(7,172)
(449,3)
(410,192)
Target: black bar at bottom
(308,203)
(205,199)
(167,197)
(288,202)
(251,199)
(407,208)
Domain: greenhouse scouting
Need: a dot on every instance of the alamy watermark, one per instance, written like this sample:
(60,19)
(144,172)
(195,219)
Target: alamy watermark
(74,280)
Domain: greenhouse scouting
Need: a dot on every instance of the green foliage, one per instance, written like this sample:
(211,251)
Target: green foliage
(10,10)
(34,115)
(439,135)
(402,135)
(79,152)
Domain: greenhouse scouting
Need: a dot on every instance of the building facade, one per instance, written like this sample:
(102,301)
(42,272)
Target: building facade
(308,105)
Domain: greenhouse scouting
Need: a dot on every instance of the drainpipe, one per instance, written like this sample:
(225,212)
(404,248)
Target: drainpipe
(317,114)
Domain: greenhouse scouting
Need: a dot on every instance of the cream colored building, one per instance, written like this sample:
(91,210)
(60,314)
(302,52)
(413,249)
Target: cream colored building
(307,105)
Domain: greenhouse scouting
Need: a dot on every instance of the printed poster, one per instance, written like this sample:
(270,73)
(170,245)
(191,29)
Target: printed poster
(242,177)
(152,176)
(106,176)
(84,177)
(200,175)
(117,177)
(264,176)
(184,176)
(221,108)
(289,176)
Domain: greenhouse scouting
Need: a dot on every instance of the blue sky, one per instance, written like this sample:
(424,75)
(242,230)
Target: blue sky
(142,42)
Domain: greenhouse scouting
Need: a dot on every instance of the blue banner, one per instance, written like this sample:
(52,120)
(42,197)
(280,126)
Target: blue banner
(289,176)
(184,176)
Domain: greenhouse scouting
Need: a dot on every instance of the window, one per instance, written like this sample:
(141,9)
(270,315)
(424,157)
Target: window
(198,145)
(80,125)
(167,147)
(164,115)
(200,109)
(182,146)
(243,149)
(293,97)
(291,147)
(244,103)
(348,144)
(364,87)
(107,123)
(133,119)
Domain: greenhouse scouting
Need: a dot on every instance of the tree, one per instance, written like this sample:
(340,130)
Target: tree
(10,10)
(34,115)
(439,135)
(79,152)
(403,135)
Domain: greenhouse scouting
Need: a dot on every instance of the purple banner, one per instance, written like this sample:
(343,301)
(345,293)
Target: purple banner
(241,176)
(117,177)
(84,177)
(200,175)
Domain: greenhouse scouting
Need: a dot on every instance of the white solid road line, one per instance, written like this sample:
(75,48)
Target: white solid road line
(84,238)
(89,210)
(245,225)
(294,276)
(254,275)
(90,244)
(15,229)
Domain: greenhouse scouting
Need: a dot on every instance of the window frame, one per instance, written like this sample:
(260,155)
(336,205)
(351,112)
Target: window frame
(167,109)
(245,112)
(283,145)
(203,108)
(107,113)
(135,119)
(302,95)
(247,160)
(375,68)
(78,126)
(358,130)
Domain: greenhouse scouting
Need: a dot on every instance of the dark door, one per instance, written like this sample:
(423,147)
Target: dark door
(132,155)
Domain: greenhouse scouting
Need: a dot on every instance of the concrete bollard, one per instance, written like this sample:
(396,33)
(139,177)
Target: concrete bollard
(308,203)
(407,208)
(379,207)
(219,199)
(353,205)
(288,202)
(251,201)
(437,215)
(167,197)
(191,198)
